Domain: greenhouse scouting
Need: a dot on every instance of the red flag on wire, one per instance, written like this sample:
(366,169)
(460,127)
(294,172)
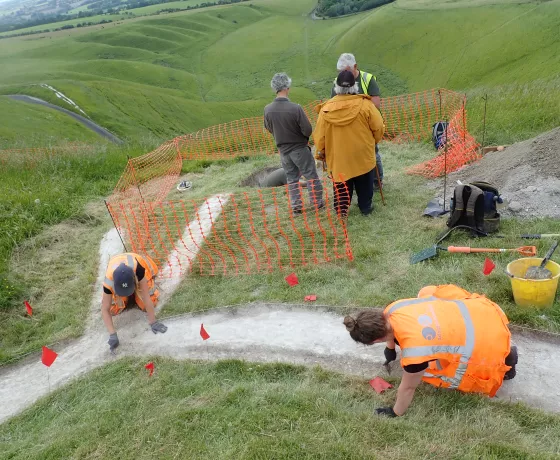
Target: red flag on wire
(292,279)
(310,298)
(48,356)
(489,266)
(203,333)
(28,308)
(150,367)
(379,385)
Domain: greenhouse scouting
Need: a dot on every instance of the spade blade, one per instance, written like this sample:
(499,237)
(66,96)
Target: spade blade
(425,254)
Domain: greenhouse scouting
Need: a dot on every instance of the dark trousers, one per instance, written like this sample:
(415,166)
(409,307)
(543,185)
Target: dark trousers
(343,192)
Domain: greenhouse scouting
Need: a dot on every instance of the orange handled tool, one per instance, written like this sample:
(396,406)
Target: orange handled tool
(527,251)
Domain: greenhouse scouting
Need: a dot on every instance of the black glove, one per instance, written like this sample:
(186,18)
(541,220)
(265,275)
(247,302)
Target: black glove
(158,327)
(113,341)
(388,411)
(390,354)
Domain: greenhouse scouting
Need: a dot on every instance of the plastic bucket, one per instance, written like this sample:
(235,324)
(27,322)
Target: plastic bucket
(533,293)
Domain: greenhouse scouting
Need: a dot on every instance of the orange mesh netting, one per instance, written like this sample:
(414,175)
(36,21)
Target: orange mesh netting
(256,231)
(234,233)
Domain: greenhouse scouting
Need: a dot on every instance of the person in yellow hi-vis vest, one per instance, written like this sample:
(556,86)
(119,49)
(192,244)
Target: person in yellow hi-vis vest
(129,278)
(448,338)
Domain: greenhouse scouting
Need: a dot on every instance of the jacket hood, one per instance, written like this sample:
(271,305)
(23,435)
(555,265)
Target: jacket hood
(343,109)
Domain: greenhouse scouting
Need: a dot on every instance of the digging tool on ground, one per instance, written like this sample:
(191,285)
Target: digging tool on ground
(541,273)
(428,253)
(538,236)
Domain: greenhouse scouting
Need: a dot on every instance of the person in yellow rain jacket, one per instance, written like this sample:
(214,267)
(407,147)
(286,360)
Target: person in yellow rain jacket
(129,278)
(448,338)
(348,128)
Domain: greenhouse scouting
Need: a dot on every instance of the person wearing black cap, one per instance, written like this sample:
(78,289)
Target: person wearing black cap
(129,278)
(367,84)
(348,128)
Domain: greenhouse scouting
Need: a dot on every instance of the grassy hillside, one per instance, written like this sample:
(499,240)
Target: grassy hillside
(238,410)
(31,125)
(178,72)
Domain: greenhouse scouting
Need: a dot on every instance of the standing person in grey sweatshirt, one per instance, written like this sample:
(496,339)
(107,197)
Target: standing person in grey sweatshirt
(291,129)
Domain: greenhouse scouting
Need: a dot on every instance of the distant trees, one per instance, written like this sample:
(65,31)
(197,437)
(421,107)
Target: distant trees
(333,8)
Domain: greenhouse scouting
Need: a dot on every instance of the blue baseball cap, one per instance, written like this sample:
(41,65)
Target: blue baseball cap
(123,279)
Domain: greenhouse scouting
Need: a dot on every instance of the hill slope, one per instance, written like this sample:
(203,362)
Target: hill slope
(174,73)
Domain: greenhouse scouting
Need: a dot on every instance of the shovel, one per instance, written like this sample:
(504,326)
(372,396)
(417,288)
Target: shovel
(428,253)
(541,273)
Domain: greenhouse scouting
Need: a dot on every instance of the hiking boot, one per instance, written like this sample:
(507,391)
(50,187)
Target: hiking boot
(511,360)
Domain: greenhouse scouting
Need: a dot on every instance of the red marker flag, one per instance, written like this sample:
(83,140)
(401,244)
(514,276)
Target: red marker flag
(150,367)
(203,333)
(292,279)
(489,266)
(310,298)
(379,385)
(48,356)
(28,308)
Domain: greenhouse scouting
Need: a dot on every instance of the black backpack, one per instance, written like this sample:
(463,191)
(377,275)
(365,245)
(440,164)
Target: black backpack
(438,134)
(474,206)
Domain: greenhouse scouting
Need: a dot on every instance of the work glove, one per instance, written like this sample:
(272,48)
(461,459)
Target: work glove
(158,327)
(387,411)
(113,341)
(390,354)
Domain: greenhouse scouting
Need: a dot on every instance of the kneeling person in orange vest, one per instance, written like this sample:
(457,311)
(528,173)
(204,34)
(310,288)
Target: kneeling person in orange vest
(448,338)
(129,274)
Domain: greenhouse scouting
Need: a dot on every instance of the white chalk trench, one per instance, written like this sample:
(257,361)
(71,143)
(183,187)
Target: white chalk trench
(256,332)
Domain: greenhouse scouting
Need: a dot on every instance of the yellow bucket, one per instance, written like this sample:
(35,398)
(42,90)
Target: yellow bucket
(533,293)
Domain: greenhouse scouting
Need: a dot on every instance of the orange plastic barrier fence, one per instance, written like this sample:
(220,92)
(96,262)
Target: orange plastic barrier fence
(256,231)
(238,233)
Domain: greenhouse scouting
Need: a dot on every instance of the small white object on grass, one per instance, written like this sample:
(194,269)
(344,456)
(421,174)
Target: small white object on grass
(37,201)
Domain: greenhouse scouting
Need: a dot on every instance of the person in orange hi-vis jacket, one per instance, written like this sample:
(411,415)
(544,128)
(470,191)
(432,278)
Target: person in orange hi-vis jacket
(448,338)
(130,278)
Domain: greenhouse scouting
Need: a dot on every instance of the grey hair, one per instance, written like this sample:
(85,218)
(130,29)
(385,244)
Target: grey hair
(346,90)
(345,60)
(280,82)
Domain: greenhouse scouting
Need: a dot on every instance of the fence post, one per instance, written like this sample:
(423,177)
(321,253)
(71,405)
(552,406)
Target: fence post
(114,223)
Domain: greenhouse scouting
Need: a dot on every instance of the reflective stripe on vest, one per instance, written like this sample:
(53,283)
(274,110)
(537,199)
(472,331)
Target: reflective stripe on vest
(406,303)
(465,351)
(366,81)
(109,283)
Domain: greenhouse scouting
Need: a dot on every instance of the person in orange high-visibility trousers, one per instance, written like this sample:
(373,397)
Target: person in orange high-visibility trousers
(448,338)
(129,278)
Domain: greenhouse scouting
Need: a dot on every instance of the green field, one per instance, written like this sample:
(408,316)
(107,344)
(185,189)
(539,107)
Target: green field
(179,72)
(151,78)
(29,125)
(245,411)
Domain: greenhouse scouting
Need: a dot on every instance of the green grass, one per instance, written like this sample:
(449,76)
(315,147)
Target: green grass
(175,73)
(35,195)
(36,126)
(382,244)
(240,410)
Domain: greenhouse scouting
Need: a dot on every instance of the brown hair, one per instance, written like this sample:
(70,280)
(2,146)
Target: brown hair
(367,326)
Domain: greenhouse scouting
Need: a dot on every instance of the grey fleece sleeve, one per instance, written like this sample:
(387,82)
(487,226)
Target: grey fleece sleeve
(304,123)
(267,125)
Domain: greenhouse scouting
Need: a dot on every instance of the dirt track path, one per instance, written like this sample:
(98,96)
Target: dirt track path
(83,120)
(256,332)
